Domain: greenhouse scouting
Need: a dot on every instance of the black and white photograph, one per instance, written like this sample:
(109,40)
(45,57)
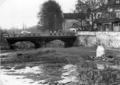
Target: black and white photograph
(59,42)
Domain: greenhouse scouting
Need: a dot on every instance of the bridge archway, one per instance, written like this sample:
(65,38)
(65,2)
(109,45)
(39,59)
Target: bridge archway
(23,45)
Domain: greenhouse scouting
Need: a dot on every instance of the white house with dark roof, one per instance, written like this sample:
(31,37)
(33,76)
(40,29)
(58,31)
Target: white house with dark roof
(74,20)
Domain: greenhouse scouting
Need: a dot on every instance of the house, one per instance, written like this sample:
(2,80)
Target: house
(108,16)
(74,21)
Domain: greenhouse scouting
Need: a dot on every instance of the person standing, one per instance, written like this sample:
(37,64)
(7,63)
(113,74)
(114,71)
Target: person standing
(100,51)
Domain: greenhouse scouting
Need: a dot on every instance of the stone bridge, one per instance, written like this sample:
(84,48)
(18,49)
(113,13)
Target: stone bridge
(40,40)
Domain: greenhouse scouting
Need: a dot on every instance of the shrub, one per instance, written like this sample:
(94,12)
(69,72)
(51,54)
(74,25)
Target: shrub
(56,43)
(24,45)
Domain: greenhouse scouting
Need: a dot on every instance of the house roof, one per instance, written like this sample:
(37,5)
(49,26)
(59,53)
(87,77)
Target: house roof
(75,15)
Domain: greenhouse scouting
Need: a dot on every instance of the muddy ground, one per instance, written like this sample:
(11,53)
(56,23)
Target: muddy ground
(59,66)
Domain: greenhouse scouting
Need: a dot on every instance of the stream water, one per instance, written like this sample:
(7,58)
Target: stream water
(48,74)
(58,74)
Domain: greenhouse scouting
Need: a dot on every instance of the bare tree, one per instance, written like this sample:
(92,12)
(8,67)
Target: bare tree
(93,5)
(89,6)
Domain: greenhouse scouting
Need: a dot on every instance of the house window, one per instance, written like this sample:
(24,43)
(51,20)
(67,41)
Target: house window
(117,1)
(110,9)
(118,14)
(98,15)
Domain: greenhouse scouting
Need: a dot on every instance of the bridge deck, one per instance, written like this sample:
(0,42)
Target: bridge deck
(39,39)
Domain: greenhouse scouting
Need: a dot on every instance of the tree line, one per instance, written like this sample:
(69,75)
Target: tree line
(51,15)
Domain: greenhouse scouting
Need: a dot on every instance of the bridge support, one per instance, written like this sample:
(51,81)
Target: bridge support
(39,44)
(11,46)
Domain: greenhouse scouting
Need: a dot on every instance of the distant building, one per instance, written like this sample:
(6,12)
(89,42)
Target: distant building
(108,16)
(25,32)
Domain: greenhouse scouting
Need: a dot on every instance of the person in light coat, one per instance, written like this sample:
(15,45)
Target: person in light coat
(100,51)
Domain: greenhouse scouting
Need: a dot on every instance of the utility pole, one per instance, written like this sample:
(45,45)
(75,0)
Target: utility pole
(55,21)
(23,27)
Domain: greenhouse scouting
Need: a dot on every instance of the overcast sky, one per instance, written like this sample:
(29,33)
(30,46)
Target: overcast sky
(15,13)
